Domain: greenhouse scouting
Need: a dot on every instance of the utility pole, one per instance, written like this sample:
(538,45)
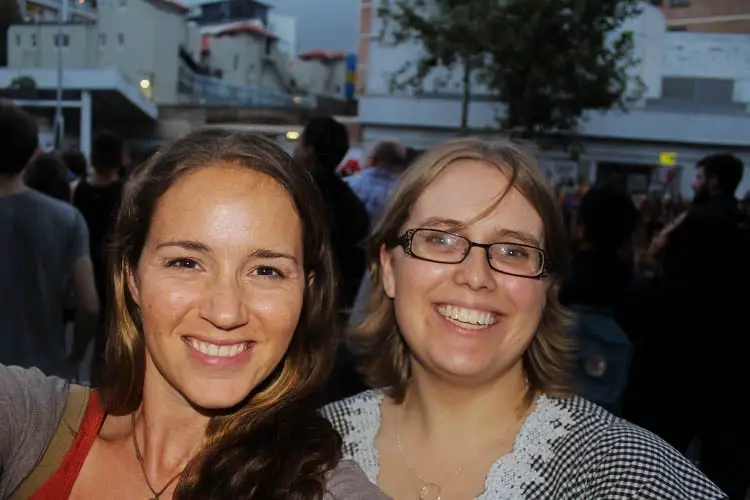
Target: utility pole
(59,125)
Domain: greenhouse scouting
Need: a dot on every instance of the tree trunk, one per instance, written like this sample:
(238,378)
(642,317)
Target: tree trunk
(465,99)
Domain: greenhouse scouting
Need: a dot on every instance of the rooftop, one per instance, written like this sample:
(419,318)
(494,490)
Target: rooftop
(323,55)
(244,27)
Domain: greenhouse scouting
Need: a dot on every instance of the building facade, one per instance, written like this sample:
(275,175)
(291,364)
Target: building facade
(177,56)
(706,16)
(697,102)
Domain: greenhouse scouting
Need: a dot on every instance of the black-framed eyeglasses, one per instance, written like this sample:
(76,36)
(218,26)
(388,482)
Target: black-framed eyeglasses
(514,259)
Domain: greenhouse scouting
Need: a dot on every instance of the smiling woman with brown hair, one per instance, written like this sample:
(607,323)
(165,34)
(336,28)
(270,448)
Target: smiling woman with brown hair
(219,342)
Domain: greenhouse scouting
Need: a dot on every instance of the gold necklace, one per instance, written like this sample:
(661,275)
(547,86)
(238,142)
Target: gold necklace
(139,456)
(430,488)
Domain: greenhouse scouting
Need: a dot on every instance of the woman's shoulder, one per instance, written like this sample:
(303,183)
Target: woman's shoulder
(348,481)
(28,396)
(616,455)
(31,405)
(359,409)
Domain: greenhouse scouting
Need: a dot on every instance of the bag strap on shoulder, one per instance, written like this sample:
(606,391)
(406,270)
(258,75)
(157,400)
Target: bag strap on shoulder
(59,444)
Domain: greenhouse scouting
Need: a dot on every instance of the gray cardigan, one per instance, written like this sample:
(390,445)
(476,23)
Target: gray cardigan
(32,404)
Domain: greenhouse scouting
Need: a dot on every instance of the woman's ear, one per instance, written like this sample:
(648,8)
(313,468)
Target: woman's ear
(386,264)
(310,279)
(132,280)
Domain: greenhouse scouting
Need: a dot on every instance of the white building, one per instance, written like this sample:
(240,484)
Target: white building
(284,27)
(321,72)
(697,102)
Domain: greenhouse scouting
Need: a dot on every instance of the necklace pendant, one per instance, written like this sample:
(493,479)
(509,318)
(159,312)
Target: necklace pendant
(430,491)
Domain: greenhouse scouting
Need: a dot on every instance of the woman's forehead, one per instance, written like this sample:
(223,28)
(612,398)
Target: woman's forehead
(475,193)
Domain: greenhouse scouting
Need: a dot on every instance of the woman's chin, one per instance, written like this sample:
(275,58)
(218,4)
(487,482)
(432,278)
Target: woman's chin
(218,399)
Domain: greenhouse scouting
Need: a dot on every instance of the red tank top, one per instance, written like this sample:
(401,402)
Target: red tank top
(60,484)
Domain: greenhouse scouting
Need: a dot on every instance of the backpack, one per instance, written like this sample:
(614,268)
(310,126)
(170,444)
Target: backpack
(603,358)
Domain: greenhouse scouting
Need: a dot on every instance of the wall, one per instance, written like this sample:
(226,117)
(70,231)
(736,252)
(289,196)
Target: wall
(33,46)
(701,55)
(285,27)
(138,37)
(243,61)
(704,8)
(321,78)
(143,40)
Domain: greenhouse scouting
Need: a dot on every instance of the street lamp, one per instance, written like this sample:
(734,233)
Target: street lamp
(59,124)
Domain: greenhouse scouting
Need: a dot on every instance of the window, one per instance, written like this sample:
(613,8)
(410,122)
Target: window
(102,39)
(18,40)
(679,3)
(656,2)
(121,39)
(705,90)
(61,40)
(677,28)
(236,62)
(33,39)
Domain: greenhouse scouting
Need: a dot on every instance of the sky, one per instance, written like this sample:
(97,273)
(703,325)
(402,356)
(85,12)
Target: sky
(322,24)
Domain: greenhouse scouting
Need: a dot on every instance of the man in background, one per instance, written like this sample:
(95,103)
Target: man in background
(98,197)
(44,250)
(385,163)
(322,147)
(694,373)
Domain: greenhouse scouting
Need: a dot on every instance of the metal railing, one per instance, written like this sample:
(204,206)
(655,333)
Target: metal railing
(212,91)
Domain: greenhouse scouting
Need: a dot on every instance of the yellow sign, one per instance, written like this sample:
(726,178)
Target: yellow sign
(667,159)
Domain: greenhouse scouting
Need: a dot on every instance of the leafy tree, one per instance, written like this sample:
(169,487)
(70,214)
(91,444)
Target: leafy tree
(9,15)
(447,31)
(555,59)
(548,60)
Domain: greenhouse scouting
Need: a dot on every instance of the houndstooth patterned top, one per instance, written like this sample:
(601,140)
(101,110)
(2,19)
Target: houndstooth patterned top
(566,449)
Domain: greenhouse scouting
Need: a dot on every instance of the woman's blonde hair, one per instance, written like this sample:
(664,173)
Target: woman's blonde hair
(377,342)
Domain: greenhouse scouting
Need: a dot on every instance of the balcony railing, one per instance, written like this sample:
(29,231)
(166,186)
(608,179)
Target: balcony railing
(211,91)
(80,7)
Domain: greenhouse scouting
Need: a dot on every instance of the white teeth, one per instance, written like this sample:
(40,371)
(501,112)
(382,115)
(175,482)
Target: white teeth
(469,316)
(221,351)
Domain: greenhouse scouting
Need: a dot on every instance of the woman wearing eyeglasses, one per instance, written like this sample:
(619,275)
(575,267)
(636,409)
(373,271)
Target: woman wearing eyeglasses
(467,346)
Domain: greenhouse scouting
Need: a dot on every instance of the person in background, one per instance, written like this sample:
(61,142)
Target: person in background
(43,251)
(600,287)
(321,148)
(692,376)
(385,162)
(77,166)
(98,198)
(48,174)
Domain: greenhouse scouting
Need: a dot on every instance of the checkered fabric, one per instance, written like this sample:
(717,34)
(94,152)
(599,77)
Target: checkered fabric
(566,449)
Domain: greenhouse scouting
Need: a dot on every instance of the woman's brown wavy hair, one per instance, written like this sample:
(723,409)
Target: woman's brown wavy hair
(377,342)
(274,445)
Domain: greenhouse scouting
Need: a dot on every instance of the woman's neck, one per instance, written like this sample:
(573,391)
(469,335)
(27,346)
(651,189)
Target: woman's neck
(445,410)
(169,431)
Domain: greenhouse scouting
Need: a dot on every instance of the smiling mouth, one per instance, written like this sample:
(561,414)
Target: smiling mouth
(467,318)
(218,351)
